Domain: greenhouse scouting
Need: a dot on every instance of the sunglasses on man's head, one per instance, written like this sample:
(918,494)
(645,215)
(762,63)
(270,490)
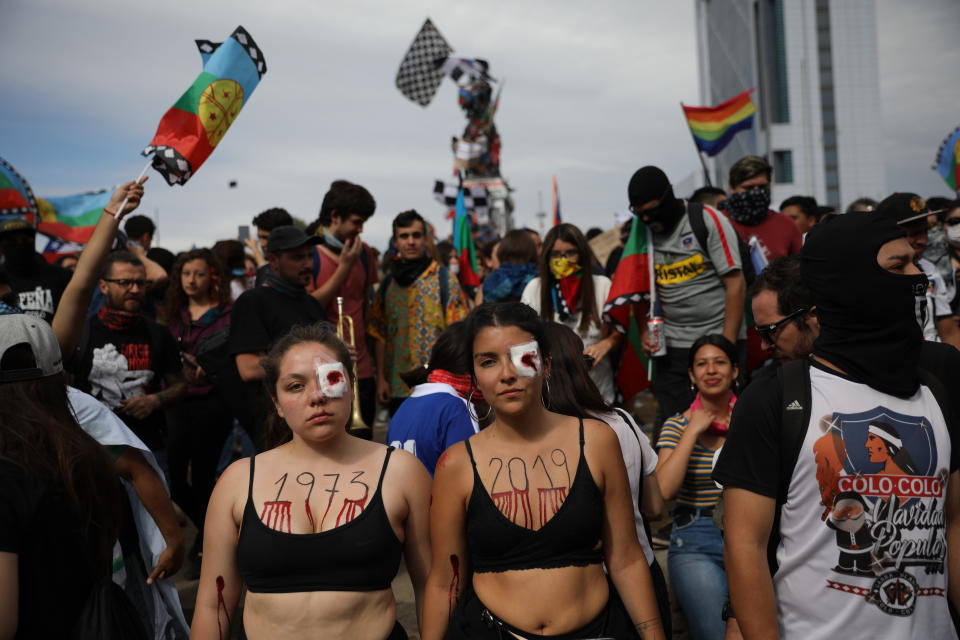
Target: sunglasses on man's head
(769,332)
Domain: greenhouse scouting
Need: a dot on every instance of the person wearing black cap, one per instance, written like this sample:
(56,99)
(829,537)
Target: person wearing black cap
(701,289)
(38,283)
(265,313)
(870,412)
(910,212)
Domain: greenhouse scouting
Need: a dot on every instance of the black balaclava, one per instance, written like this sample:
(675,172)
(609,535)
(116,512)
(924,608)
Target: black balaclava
(19,257)
(868,318)
(651,183)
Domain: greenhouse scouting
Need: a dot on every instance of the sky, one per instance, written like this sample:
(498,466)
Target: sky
(591,93)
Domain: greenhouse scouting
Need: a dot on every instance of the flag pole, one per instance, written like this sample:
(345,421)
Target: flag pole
(653,293)
(703,164)
(139,178)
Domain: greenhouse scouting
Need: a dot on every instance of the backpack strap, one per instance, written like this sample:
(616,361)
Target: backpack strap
(633,429)
(699,227)
(794,379)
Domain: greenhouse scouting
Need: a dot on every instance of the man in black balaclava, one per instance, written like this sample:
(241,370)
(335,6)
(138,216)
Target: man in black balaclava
(38,283)
(700,289)
(800,445)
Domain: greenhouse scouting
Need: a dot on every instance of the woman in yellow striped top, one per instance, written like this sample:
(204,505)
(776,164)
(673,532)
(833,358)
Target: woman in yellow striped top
(688,442)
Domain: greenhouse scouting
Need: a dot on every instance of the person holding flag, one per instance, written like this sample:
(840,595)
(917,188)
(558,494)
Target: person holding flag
(697,286)
(562,294)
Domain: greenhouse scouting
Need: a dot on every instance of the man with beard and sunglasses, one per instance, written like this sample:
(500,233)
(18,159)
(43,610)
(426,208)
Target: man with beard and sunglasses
(267,312)
(822,533)
(38,284)
(701,289)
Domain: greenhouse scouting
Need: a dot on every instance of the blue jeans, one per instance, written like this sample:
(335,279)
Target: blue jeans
(697,577)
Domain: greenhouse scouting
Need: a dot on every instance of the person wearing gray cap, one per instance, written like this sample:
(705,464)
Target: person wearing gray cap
(59,499)
(265,313)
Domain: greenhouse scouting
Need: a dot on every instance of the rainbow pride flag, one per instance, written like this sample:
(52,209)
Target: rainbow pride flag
(72,218)
(191,129)
(948,159)
(16,196)
(714,127)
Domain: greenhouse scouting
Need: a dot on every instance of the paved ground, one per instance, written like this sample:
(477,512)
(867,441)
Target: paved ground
(402,587)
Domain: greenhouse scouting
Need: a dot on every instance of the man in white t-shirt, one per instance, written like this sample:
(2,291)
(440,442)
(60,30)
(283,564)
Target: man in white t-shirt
(861,505)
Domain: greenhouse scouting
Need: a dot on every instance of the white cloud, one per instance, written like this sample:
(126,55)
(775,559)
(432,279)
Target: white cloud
(591,93)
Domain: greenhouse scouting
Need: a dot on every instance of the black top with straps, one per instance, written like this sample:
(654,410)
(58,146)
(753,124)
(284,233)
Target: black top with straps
(570,538)
(361,555)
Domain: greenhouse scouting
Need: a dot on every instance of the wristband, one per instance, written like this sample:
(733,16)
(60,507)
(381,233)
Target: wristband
(109,213)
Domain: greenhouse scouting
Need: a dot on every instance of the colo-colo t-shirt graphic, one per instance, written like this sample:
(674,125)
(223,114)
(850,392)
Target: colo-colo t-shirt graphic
(863,538)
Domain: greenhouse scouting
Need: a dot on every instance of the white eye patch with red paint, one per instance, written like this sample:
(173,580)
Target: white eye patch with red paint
(526,359)
(332,379)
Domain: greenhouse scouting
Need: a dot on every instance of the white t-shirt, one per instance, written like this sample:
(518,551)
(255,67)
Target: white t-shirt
(639,457)
(862,550)
(602,374)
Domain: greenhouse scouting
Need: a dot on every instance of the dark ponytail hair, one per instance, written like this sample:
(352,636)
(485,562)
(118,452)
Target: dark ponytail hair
(570,390)
(277,431)
(505,314)
(589,314)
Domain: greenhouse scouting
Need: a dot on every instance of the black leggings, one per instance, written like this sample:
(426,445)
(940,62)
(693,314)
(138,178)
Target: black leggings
(199,425)
(472,620)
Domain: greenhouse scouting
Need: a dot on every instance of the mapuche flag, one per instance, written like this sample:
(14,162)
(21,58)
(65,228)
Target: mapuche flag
(72,218)
(948,160)
(463,244)
(627,307)
(16,196)
(194,126)
(714,127)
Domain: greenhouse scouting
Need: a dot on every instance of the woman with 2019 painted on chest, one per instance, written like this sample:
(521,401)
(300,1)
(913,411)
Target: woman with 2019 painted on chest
(314,528)
(525,514)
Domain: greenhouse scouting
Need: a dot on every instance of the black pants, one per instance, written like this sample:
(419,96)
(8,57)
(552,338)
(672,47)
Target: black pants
(671,386)
(472,620)
(199,426)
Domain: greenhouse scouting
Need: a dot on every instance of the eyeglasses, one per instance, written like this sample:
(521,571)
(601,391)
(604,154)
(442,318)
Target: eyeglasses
(635,210)
(569,254)
(768,332)
(127,283)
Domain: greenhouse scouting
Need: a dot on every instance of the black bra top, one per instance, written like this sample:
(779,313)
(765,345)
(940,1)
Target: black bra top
(361,555)
(570,538)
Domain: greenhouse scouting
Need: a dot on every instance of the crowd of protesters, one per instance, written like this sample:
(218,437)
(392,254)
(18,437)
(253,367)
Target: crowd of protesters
(809,361)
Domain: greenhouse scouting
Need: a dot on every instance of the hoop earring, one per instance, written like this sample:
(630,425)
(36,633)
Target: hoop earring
(546,383)
(473,412)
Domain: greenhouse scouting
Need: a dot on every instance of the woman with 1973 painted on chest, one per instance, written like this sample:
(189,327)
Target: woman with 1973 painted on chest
(315,527)
(525,514)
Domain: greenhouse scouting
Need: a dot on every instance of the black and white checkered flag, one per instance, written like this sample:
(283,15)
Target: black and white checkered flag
(475,197)
(420,74)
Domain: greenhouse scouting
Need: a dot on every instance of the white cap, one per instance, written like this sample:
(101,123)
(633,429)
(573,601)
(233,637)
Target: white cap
(17,329)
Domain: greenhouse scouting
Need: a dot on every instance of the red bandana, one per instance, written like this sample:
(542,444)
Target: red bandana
(461,383)
(118,320)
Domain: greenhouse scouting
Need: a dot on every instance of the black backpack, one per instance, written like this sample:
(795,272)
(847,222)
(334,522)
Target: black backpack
(699,226)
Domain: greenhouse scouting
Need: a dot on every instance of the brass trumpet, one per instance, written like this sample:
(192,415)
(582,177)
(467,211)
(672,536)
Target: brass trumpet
(344,326)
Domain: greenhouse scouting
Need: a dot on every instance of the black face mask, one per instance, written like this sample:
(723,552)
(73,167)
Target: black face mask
(18,257)
(868,316)
(664,217)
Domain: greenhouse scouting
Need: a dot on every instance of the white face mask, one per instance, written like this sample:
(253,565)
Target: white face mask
(454,268)
(953,235)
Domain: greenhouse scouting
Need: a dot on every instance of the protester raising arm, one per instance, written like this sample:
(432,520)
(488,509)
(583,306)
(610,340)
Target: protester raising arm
(155,273)
(348,257)
(68,320)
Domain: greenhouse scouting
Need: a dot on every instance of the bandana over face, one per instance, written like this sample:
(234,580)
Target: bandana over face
(748,207)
